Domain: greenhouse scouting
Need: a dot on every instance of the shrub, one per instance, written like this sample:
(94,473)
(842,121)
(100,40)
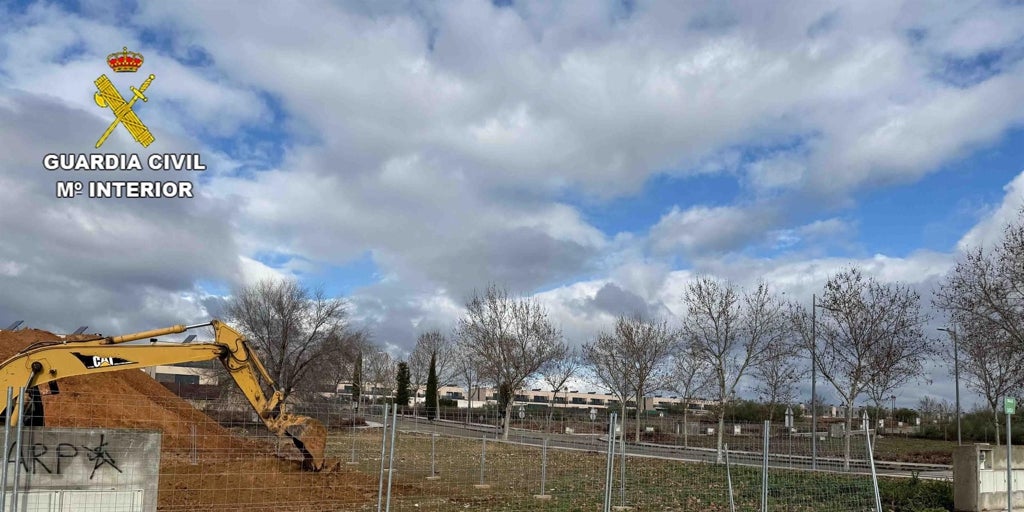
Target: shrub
(915,495)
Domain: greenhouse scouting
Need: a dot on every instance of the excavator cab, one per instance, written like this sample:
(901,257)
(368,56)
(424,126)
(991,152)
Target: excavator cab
(33,415)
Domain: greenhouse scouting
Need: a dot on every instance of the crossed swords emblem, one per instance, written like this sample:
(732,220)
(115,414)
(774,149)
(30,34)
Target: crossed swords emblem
(108,96)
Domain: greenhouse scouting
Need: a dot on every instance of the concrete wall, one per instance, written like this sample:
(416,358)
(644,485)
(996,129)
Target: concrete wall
(979,478)
(85,469)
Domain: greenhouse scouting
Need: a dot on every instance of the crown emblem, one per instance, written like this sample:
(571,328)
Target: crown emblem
(125,61)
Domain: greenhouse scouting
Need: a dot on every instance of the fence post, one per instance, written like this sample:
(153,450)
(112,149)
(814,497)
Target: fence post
(609,474)
(728,478)
(871,460)
(433,457)
(544,472)
(353,461)
(1008,407)
(7,448)
(622,466)
(17,449)
(483,463)
(383,443)
(195,447)
(764,465)
(483,458)
(391,458)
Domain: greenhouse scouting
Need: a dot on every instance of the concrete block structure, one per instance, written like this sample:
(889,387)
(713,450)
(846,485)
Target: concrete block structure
(67,469)
(979,478)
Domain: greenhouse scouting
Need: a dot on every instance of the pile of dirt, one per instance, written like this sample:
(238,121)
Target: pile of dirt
(220,471)
(129,399)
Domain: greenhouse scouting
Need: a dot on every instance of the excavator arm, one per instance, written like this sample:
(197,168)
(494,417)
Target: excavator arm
(46,362)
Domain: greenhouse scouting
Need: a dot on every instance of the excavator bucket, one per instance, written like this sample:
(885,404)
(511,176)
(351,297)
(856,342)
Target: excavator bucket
(310,437)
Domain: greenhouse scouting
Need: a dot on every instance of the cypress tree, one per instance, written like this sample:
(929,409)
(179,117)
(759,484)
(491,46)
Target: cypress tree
(432,388)
(402,393)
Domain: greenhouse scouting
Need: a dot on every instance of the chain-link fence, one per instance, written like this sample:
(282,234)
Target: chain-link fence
(128,443)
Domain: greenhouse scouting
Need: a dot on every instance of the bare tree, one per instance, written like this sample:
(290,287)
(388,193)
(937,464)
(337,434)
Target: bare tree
(291,327)
(381,369)
(633,359)
(800,322)
(897,364)
(729,332)
(864,326)
(603,357)
(330,372)
(557,372)
(992,364)
(987,287)
(647,345)
(933,409)
(778,372)
(511,338)
(434,343)
(690,377)
(467,370)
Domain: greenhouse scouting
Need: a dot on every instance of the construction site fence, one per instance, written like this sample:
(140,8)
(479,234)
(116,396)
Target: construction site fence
(381,457)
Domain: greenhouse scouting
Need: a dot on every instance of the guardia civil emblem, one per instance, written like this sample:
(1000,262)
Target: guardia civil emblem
(108,96)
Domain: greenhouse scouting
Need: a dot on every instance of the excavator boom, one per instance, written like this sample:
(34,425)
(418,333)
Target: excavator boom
(46,362)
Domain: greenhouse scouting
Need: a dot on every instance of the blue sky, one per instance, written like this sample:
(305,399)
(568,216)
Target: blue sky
(402,156)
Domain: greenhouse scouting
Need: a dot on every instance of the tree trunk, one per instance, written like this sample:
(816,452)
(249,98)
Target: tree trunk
(639,407)
(507,422)
(846,438)
(551,410)
(623,418)
(721,428)
(995,421)
(686,431)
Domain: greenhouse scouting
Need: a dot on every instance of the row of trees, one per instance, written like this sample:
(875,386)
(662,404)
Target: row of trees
(869,337)
(507,341)
(866,337)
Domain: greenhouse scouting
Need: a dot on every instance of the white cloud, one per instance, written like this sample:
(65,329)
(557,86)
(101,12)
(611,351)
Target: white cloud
(412,112)
(254,271)
(700,230)
(444,141)
(989,231)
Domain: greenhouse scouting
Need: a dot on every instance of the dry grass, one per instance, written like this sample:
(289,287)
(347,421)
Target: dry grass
(575,479)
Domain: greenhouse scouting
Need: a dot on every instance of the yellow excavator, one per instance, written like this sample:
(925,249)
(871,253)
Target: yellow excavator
(45,362)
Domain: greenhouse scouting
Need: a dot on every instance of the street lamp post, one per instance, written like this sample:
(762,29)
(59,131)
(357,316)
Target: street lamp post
(814,381)
(956,378)
(893,417)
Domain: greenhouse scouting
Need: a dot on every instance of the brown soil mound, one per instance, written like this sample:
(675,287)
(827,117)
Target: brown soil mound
(226,472)
(127,399)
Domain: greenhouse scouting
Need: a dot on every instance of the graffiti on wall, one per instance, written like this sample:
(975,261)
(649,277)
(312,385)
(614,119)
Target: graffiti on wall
(54,459)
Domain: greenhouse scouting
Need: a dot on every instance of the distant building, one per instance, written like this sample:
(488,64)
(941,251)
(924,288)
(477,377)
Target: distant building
(194,380)
(535,397)
(200,373)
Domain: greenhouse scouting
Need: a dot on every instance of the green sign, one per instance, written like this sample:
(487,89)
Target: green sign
(1010,405)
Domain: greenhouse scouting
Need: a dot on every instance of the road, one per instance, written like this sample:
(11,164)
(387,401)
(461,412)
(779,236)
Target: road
(599,444)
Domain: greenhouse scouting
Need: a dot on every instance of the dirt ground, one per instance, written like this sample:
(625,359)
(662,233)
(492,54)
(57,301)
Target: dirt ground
(231,473)
(261,483)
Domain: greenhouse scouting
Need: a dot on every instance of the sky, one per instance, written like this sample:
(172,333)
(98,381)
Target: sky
(594,155)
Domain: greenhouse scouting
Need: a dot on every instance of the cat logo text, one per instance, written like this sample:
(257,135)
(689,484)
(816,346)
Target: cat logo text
(94,362)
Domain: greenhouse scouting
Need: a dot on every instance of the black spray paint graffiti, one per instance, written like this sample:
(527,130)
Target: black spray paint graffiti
(37,458)
(100,456)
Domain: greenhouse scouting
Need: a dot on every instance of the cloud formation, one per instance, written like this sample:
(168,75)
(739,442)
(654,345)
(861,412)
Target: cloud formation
(455,144)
